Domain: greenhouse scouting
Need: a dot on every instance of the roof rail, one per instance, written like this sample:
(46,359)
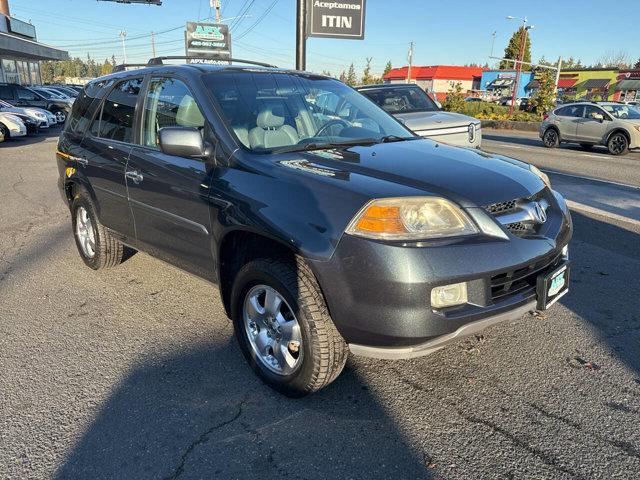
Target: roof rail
(123,66)
(159,60)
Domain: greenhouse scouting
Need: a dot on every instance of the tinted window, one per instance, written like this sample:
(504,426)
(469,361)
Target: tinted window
(24,94)
(169,103)
(6,92)
(401,100)
(590,110)
(570,111)
(82,113)
(118,112)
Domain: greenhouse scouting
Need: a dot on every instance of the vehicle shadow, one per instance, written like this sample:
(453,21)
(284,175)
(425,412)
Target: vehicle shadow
(605,289)
(32,139)
(202,413)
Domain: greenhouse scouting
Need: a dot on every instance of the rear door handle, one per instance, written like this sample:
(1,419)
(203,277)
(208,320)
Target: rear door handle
(134,176)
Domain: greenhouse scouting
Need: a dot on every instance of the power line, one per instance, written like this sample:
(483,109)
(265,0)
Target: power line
(257,22)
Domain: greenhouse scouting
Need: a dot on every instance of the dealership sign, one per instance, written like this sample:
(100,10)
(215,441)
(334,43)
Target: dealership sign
(336,19)
(209,40)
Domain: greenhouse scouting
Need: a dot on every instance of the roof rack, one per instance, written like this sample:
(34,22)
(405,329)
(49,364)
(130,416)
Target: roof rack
(123,66)
(159,60)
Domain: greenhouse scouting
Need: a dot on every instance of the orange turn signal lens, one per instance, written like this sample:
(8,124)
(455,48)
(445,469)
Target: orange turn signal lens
(380,219)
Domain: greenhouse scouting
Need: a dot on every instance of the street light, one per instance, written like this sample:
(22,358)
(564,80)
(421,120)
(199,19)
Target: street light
(122,34)
(523,42)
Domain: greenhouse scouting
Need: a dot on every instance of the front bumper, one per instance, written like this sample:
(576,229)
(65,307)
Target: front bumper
(379,293)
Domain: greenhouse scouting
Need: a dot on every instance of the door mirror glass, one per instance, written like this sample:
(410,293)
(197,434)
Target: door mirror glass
(182,142)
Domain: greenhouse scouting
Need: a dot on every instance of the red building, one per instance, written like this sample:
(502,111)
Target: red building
(438,79)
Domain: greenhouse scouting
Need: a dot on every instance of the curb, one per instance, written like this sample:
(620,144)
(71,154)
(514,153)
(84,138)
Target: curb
(511,125)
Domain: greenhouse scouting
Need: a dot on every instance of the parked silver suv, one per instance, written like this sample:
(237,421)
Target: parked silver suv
(614,125)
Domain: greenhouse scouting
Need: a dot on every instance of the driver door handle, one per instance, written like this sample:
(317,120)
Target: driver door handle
(134,176)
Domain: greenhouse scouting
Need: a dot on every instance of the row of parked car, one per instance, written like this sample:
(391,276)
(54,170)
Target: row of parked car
(26,110)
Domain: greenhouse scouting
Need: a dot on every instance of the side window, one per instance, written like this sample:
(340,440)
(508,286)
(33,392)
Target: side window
(118,112)
(169,103)
(570,111)
(6,92)
(592,112)
(24,94)
(81,113)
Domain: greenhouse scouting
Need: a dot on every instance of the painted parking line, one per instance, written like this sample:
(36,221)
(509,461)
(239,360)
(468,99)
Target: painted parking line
(603,213)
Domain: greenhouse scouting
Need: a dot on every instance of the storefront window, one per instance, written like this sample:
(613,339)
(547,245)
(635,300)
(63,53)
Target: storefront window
(23,71)
(34,70)
(10,71)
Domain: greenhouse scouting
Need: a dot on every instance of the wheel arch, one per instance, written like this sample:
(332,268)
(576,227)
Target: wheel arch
(553,127)
(239,247)
(618,130)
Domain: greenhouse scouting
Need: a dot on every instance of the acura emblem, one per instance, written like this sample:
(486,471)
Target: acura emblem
(539,213)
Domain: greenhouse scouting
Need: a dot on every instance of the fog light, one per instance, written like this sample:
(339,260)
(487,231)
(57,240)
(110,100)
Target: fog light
(449,295)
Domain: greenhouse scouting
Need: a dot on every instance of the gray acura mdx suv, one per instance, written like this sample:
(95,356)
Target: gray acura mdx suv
(324,233)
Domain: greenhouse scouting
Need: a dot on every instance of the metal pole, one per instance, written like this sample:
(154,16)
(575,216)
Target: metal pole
(153,45)
(217,6)
(122,35)
(301,40)
(493,42)
(558,75)
(518,67)
(410,58)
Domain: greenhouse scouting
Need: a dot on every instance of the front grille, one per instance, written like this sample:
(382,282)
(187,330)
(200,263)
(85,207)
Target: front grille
(520,228)
(522,279)
(502,207)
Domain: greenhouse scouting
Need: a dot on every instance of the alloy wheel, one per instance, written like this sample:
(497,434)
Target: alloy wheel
(272,330)
(618,144)
(551,138)
(85,232)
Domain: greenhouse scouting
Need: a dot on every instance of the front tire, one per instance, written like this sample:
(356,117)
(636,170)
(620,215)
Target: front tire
(283,327)
(618,144)
(551,138)
(98,248)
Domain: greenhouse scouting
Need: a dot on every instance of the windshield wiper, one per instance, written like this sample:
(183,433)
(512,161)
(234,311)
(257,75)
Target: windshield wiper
(325,145)
(395,138)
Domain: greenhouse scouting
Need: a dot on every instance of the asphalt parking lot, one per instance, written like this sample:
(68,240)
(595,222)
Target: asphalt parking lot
(134,372)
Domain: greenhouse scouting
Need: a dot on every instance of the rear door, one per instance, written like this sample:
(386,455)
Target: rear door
(168,194)
(591,129)
(29,98)
(105,152)
(567,119)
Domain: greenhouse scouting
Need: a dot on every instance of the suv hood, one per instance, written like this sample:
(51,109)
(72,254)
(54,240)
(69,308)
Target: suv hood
(433,120)
(468,176)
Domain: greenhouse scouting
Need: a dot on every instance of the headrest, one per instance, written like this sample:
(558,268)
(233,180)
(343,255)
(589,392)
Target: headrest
(188,114)
(389,101)
(270,118)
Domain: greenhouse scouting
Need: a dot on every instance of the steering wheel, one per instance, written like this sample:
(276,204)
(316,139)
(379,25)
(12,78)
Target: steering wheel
(331,123)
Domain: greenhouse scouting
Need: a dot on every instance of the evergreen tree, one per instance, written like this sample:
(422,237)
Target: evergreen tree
(388,67)
(543,99)
(351,78)
(367,77)
(637,64)
(343,77)
(513,50)
(455,98)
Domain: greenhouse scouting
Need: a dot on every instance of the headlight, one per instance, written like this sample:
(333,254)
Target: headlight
(543,176)
(411,218)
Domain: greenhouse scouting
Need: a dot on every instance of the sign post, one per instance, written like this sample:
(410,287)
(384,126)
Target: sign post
(209,40)
(328,19)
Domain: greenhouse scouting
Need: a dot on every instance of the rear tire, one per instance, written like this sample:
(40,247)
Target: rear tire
(98,248)
(321,352)
(618,144)
(551,138)
(4,132)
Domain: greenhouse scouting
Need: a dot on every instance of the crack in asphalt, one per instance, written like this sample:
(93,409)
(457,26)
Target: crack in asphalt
(548,459)
(204,438)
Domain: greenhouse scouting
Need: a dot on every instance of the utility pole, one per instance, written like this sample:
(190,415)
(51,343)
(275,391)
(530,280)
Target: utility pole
(301,40)
(518,63)
(153,45)
(410,59)
(122,34)
(558,75)
(216,4)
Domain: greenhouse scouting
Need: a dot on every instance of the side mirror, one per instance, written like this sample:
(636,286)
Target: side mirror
(182,142)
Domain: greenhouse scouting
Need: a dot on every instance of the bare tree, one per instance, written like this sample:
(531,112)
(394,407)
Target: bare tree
(612,59)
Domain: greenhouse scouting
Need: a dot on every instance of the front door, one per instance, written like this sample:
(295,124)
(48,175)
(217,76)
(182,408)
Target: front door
(168,194)
(104,154)
(28,98)
(592,126)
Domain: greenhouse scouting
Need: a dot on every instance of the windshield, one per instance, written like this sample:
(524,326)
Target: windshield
(269,111)
(46,94)
(626,112)
(402,99)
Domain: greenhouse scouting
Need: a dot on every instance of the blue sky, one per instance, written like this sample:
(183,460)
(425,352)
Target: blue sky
(455,32)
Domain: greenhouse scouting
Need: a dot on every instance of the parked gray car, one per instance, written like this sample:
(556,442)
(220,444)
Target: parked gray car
(411,105)
(614,125)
